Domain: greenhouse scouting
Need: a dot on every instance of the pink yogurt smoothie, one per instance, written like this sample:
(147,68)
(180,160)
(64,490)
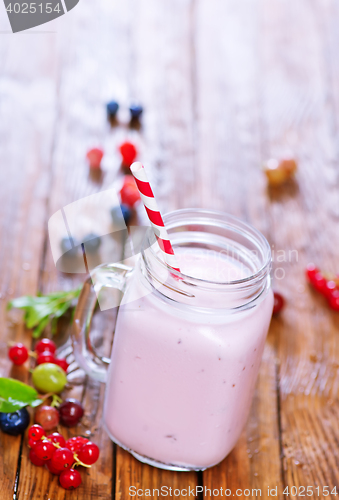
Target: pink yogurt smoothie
(180,384)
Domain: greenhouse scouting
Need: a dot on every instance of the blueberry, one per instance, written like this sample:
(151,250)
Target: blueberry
(136,111)
(126,213)
(116,215)
(92,242)
(112,109)
(14,423)
(69,246)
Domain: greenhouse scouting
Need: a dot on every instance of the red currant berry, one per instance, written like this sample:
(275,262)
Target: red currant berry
(18,354)
(70,479)
(289,165)
(279,303)
(70,412)
(330,287)
(128,152)
(36,432)
(62,459)
(44,449)
(35,459)
(94,156)
(62,363)
(47,416)
(51,468)
(319,283)
(75,443)
(334,300)
(32,443)
(311,271)
(129,192)
(45,345)
(57,438)
(45,357)
(89,453)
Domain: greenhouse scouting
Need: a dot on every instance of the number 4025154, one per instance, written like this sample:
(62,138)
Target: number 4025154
(26,8)
(302,491)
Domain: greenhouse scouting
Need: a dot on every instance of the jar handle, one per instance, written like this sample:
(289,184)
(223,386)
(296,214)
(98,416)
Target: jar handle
(112,279)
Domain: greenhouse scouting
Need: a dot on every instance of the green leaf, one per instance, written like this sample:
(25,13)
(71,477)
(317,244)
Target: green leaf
(41,310)
(41,326)
(21,302)
(15,395)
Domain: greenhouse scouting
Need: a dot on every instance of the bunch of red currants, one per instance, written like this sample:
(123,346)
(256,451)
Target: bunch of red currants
(327,285)
(61,456)
(44,353)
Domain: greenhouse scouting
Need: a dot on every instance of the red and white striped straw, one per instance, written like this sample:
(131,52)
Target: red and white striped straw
(154,214)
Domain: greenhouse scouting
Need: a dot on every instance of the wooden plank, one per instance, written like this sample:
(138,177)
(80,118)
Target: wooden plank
(139,480)
(24,180)
(228,159)
(298,114)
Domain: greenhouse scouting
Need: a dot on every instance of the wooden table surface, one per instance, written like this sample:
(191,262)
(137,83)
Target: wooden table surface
(225,84)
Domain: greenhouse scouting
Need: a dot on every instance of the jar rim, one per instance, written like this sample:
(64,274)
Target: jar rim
(176,218)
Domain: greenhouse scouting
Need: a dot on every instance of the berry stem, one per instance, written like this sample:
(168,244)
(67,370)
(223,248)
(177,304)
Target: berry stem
(56,401)
(75,456)
(57,445)
(79,462)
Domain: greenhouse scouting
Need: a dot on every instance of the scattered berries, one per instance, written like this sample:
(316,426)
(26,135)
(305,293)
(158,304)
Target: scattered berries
(279,303)
(333,300)
(45,350)
(69,246)
(112,109)
(70,479)
(47,416)
(32,443)
(52,469)
(89,453)
(45,357)
(121,215)
(14,423)
(319,282)
(18,354)
(59,456)
(289,165)
(126,213)
(92,243)
(311,271)
(136,111)
(328,286)
(94,156)
(75,443)
(278,172)
(44,449)
(128,152)
(49,377)
(36,432)
(71,411)
(57,438)
(35,459)
(62,459)
(45,345)
(62,363)
(129,192)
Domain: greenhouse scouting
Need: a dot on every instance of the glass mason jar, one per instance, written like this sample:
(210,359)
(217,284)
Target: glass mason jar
(187,347)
